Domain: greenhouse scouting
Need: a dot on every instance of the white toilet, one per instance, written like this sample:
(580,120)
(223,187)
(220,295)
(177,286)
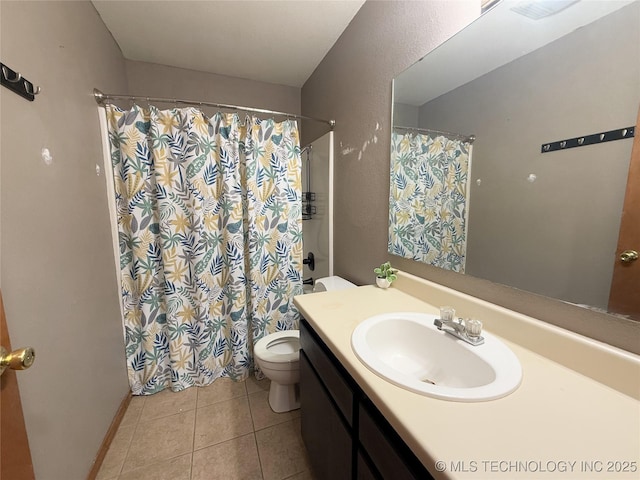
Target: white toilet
(278,356)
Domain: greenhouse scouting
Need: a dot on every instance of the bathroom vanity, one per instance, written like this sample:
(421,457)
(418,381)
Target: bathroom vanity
(345,434)
(576,413)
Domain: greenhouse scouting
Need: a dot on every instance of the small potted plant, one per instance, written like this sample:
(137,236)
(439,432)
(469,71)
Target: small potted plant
(385,275)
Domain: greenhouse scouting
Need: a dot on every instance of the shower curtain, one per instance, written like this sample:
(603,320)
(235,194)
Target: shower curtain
(428,199)
(209,218)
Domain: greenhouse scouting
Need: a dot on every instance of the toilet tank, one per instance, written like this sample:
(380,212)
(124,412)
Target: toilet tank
(327,284)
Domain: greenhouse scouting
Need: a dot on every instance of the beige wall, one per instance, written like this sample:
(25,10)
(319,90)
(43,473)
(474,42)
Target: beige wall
(58,276)
(353,85)
(148,79)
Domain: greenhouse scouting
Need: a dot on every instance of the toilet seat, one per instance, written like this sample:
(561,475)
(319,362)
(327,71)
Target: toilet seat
(279,347)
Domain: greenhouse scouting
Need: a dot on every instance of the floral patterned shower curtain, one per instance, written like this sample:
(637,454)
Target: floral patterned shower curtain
(428,199)
(210,240)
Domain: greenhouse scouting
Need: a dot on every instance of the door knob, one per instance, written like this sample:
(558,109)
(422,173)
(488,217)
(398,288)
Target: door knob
(20,359)
(628,256)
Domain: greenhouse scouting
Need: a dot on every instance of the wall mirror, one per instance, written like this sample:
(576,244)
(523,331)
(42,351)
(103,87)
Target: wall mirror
(481,182)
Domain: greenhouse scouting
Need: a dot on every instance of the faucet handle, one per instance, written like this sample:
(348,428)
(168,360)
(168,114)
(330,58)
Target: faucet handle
(473,327)
(447,314)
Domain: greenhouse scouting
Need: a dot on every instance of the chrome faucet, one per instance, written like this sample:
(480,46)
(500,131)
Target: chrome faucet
(468,330)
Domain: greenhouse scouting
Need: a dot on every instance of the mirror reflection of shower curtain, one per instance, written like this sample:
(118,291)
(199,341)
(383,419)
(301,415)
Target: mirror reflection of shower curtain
(428,198)
(210,240)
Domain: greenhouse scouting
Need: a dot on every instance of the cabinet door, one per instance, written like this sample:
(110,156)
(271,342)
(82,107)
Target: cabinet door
(365,472)
(327,439)
(336,381)
(391,457)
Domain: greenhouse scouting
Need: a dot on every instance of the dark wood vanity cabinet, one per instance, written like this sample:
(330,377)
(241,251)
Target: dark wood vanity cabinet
(390,457)
(345,435)
(327,439)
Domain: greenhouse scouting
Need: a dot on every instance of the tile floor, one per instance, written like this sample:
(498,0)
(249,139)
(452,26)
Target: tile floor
(223,431)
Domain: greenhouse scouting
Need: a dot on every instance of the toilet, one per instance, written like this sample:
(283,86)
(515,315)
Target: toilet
(278,356)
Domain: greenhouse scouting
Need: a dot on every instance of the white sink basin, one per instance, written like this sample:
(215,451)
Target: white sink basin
(408,350)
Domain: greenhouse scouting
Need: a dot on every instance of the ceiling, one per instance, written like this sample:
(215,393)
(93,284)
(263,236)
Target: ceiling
(279,42)
(482,47)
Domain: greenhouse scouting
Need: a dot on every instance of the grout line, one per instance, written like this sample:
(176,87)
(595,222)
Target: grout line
(193,437)
(191,465)
(135,429)
(253,426)
(253,423)
(198,390)
(255,439)
(246,389)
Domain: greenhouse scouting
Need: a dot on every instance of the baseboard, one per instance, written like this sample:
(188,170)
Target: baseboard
(108,438)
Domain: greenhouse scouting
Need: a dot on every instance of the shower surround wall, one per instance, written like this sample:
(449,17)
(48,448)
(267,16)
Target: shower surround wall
(353,85)
(318,230)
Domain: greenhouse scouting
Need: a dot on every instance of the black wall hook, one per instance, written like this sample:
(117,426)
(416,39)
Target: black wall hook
(609,136)
(15,82)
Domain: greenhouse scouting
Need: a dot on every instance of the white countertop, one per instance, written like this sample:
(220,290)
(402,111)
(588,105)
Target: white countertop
(558,424)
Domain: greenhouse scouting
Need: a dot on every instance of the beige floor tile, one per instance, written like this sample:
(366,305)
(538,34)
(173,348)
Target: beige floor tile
(178,468)
(168,403)
(282,453)
(114,459)
(161,439)
(132,415)
(222,421)
(235,459)
(306,475)
(220,390)
(254,385)
(262,414)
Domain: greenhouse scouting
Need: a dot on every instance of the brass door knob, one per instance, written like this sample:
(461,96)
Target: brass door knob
(17,360)
(628,256)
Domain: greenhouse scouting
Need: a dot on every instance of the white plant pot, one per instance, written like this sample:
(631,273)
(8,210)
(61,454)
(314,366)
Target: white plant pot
(383,282)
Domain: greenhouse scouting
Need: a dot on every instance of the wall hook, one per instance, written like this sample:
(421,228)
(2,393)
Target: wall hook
(584,140)
(15,82)
(5,73)
(28,86)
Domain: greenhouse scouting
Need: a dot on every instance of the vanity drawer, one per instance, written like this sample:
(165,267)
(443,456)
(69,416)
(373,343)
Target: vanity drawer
(392,458)
(332,374)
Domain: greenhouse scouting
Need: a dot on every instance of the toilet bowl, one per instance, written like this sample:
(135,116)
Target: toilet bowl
(278,356)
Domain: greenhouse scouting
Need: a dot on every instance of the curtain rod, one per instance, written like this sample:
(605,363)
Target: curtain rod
(459,136)
(101,99)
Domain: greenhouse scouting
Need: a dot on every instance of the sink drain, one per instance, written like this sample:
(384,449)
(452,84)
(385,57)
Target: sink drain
(426,380)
